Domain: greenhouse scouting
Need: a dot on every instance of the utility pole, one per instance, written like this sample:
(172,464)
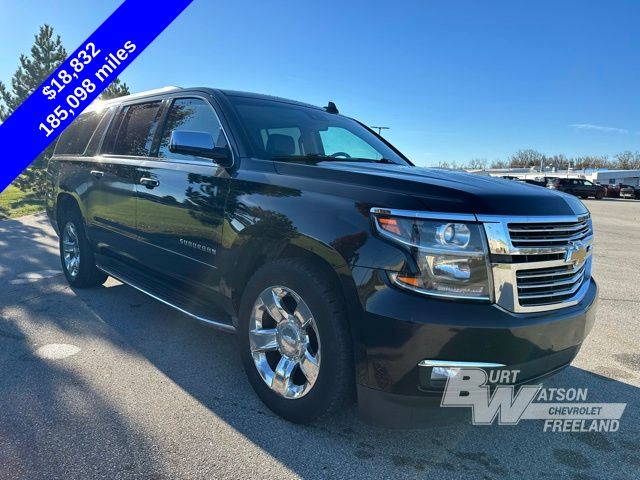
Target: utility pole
(380,129)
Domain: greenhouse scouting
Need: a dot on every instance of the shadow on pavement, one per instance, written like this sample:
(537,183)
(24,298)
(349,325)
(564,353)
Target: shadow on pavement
(52,418)
(205,363)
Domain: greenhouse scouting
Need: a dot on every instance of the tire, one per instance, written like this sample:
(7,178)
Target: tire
(599,195)
(327,379)
(81,272)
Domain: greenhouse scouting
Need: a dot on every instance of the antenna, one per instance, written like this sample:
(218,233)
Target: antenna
(331,108)
(380,129)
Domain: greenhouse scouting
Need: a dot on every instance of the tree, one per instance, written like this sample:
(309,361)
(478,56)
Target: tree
(526,158)
(115,89)
(47,53)
(627,160)
(497,163)
(477,164)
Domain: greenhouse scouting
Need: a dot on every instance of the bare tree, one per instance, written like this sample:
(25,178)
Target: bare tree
(526,158)
(477,164)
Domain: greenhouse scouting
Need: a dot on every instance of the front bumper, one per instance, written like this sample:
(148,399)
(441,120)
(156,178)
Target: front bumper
(400,329)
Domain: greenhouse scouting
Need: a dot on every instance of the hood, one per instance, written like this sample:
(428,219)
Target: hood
(445,190)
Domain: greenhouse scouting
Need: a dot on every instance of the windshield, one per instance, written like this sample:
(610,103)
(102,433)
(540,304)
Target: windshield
(285,131)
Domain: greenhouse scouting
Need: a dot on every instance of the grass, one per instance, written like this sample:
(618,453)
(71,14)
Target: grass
(15,203)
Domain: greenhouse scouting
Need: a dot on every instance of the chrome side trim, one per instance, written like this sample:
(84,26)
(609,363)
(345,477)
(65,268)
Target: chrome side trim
(500,240)
(462,217)
(532,219)
(207,321)
(455,364)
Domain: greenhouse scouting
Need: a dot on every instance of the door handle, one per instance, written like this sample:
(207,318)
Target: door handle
(149,182)
(97,173)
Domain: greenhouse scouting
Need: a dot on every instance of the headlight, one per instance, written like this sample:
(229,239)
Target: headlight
(451,256)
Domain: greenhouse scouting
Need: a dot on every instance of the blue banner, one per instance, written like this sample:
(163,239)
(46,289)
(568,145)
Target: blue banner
(80,80)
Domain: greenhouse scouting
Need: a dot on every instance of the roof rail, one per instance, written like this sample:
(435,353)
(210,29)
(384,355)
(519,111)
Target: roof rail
(96,104)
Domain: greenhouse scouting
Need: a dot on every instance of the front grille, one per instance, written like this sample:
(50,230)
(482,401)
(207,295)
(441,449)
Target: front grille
(539,263)
(546,286)
(535,235)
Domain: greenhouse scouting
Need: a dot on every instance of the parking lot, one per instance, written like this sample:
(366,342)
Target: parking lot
(151,394)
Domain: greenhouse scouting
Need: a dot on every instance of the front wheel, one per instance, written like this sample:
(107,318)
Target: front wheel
(599,195)
(295,344)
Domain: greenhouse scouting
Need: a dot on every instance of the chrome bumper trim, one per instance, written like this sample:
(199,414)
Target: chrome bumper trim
(456,364)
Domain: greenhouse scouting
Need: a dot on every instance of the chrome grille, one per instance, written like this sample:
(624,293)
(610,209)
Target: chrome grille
(545,286)
(539,263)
(548,234)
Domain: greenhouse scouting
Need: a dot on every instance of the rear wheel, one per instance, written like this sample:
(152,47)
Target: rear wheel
(294,340)
(76,255)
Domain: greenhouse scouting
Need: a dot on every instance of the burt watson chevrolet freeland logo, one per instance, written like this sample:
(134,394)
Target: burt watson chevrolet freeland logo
(562,409)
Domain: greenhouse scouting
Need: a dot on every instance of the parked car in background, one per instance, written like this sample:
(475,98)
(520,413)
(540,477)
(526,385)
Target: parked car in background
(629,191)
(578,187)
(530,181)
(612,190)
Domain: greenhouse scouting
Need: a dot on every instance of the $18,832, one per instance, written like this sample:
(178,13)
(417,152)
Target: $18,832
(72,101)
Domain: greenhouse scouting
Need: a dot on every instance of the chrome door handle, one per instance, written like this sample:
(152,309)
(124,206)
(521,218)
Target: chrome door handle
(149,182)
(97,173)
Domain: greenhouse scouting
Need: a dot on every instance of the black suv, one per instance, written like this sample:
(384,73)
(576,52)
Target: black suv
(578,187)
(338,263)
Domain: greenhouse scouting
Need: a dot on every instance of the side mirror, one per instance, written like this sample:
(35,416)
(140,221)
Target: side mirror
(199,144)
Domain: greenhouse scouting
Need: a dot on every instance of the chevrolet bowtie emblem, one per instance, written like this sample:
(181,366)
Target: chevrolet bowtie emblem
(576,253)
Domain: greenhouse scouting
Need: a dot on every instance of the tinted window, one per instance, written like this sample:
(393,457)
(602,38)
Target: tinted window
(75,138)
(342,143)
(279,129)
(96,138)
(192,115)
(293,133)
(136,130)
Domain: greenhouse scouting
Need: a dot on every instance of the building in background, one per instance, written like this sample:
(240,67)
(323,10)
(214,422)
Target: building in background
(602,176)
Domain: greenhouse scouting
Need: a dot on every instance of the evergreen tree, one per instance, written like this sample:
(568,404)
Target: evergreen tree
(115,89)
(47,53)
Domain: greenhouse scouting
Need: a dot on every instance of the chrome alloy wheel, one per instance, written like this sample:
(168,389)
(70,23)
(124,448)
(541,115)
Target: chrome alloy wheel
(71,249)
(284,342)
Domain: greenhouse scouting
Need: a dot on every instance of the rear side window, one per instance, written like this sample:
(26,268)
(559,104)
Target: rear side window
(96,138)
(75,138)
(136,130)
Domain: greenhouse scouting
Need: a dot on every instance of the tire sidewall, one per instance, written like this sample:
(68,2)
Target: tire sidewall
(314,403)
(87,267)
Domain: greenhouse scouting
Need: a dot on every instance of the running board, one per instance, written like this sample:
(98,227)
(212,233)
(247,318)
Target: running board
(176,304)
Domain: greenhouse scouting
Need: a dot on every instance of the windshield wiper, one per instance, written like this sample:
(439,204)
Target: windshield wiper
(317,157)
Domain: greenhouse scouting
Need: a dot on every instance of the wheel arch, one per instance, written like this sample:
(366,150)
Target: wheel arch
(323,257)
(66,201)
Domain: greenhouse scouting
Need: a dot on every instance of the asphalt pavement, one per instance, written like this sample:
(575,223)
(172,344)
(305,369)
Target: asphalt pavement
(108,383)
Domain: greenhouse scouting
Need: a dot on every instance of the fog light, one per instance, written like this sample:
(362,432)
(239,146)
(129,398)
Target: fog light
(442,373)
